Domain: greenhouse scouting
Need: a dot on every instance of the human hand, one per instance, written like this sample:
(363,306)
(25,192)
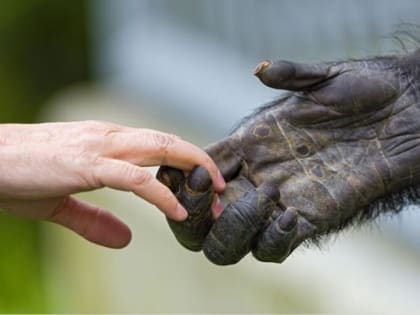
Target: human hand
(43,164)
(311,162)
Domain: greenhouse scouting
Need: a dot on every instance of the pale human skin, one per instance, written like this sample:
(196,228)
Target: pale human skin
(42,165)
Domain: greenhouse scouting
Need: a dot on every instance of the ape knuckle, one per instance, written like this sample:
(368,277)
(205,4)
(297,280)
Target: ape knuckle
(268,256)
(258,255)
(221,256)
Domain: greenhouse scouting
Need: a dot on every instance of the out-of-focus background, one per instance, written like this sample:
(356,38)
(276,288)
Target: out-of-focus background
(185,66)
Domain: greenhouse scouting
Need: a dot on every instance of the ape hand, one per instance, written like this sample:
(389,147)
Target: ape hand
(308,163)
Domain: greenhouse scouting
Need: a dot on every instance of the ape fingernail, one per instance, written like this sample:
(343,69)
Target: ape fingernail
(170,177)
(217,207)
(199,179)
(288,220)
(261,67)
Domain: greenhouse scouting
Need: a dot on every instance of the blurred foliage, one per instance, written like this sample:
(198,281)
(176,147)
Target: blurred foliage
(21,287)
(43,48)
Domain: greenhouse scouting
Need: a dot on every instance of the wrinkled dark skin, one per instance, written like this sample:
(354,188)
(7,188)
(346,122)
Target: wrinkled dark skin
(307,164)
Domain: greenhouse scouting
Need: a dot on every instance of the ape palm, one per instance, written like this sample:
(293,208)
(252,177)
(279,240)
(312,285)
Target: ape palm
(346,136)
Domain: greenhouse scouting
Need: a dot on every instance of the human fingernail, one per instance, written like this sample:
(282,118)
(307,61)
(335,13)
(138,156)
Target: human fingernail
(217,207)
(220,182)
(181,213)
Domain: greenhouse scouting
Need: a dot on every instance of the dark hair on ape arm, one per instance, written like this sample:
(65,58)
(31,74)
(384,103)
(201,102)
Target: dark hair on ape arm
(389,204)
(261,109)
(407,36)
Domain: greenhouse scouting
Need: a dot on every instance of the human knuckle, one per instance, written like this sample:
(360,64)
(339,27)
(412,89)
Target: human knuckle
(208,162)
(166,200)
(97,124)
(94,134)
(93,172)
(84,153)
(176,137)
(164,141)
(93,127)
(167,195)
(138,177)
(89,135)
(59,210)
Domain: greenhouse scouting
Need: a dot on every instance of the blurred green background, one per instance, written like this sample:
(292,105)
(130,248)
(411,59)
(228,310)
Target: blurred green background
(43,49)
(185,66)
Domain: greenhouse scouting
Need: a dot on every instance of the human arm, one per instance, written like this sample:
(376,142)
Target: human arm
(42,165)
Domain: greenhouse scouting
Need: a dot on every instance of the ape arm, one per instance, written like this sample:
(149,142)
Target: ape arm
(309,163)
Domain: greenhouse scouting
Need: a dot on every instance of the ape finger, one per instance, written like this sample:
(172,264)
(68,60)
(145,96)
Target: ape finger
(171,177)
(282,236)
(274,243)
(196,195)
(223,154)
(292,76)
(235,189)
(231,236)
(357,90)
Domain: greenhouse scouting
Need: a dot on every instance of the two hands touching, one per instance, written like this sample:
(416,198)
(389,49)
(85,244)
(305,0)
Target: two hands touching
(301,167)
(42,165)
(310,163)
